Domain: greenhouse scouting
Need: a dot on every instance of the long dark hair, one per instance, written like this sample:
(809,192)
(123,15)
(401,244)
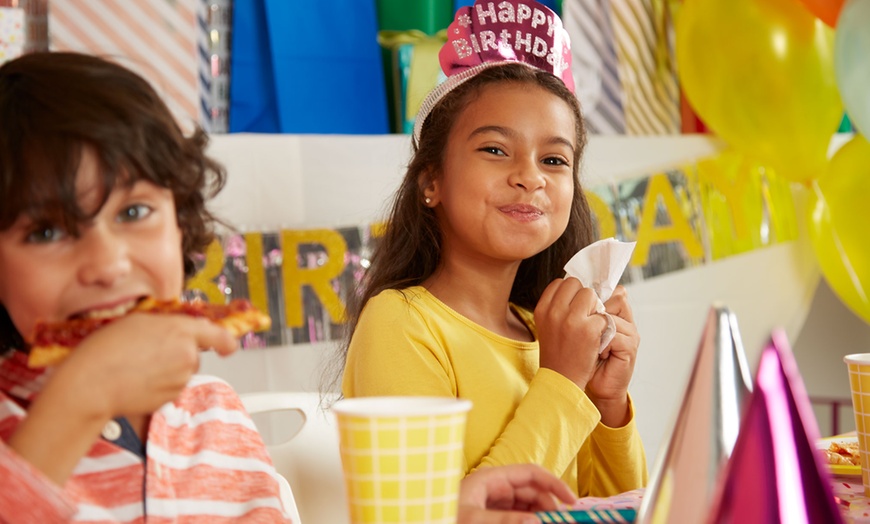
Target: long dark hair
(410,250)
(52,105)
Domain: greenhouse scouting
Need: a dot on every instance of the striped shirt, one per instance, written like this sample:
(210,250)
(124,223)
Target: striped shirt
(205,462)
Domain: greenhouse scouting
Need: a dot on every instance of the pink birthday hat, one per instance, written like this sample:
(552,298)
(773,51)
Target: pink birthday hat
(492,33)
(775,473)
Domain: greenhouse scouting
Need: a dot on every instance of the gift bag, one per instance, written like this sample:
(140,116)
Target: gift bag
(311,67)
(428,16)
(555,5)
(412,70)
(158,40)
(11,33)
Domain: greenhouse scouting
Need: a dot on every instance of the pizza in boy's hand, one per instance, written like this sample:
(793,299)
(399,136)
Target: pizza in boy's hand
(52,341)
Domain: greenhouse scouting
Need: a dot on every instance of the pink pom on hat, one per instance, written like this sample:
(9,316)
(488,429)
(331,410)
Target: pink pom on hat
(493,32)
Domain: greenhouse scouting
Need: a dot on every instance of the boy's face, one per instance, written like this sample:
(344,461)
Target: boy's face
(131,249)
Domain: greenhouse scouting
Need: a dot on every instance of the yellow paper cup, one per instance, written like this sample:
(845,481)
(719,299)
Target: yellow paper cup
(859,383)
(402,457)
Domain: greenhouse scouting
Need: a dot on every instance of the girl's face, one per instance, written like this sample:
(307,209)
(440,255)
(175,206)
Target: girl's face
(507,184)
(131,248)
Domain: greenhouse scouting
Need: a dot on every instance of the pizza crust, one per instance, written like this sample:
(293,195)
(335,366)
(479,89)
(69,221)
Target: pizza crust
(44,356)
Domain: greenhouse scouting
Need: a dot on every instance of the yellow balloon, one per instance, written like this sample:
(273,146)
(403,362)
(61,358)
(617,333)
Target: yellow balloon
(760,74)
(838,225)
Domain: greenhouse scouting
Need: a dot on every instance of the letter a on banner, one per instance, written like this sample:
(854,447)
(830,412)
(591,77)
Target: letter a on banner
(679,230)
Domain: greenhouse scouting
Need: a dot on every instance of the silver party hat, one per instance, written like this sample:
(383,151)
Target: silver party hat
(775,474)
(706,427)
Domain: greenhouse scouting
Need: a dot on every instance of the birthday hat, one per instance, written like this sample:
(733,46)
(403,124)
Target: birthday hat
(491,33)
(775,474)
(706,428)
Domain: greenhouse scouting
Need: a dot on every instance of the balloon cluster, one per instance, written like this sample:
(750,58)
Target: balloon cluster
(771,78)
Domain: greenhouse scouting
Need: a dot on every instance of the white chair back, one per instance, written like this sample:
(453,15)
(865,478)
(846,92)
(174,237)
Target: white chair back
(302,439)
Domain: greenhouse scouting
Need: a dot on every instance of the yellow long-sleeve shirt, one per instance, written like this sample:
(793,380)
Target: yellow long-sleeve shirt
(410,343)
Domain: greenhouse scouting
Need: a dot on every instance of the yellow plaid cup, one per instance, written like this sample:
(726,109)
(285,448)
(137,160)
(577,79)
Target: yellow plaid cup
(859,383)
(402,457)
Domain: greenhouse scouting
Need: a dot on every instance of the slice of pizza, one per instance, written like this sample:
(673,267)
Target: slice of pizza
(52,341)
(843,454)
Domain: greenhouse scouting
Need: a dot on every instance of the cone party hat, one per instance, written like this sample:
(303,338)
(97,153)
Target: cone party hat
(775,474)
(706,427)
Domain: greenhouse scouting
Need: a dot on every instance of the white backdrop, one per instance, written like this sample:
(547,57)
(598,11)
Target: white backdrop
(293,181)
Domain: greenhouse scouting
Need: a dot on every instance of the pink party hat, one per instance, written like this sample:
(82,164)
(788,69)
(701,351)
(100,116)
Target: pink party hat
(706,428)
(775,474)
(491,33)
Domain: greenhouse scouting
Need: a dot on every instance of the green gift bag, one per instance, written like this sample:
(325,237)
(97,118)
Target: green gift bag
(412,67)
(429,16)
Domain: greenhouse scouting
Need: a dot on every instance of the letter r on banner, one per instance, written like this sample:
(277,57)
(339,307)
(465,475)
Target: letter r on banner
(318,278)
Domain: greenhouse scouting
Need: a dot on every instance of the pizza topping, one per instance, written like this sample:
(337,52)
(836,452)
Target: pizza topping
(68,333)
(843,453)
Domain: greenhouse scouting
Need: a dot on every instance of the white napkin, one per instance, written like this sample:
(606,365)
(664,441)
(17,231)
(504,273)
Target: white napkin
(600,266)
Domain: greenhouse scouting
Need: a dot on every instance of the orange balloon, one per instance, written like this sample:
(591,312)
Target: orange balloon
(826,10)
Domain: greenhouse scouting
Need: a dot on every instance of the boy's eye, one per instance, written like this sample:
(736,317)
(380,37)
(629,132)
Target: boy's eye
(45,234)
(134,213)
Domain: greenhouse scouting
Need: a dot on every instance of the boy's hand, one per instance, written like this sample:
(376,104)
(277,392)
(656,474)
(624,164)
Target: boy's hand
(501,494)
(140,362)
(130,368)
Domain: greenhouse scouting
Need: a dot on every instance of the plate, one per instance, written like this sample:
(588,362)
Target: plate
(840,469)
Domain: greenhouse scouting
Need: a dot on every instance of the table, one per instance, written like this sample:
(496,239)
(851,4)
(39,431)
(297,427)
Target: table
(848,491)
(850,494)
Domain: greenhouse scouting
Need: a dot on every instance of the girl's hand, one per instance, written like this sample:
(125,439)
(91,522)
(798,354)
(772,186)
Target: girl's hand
(569,330)
(140,362)
(608,388)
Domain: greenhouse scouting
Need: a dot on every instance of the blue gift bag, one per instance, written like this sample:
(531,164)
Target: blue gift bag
(306,67)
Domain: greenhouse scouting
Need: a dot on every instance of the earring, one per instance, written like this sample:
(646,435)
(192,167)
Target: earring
(427,200)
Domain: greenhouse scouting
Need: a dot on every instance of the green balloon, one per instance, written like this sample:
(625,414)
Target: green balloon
(851,64)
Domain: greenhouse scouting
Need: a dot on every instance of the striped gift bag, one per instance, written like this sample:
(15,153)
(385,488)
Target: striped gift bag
(624,65)
(158,39)
(595,65)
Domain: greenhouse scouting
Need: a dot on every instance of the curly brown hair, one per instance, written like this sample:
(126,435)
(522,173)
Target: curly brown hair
(410,250)
(52,106)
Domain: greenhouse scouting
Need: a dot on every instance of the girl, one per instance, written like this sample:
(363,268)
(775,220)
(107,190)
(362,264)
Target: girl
(464,296)
(104,204)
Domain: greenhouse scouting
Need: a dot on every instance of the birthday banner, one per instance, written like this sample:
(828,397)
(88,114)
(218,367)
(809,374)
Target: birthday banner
(680,218)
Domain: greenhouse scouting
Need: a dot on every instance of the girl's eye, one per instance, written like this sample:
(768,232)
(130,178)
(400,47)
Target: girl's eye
(555,161)
(492,149)
(135,212)
(45,235)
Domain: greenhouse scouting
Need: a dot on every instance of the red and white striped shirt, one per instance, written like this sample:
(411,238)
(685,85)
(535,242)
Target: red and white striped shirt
(205,463)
